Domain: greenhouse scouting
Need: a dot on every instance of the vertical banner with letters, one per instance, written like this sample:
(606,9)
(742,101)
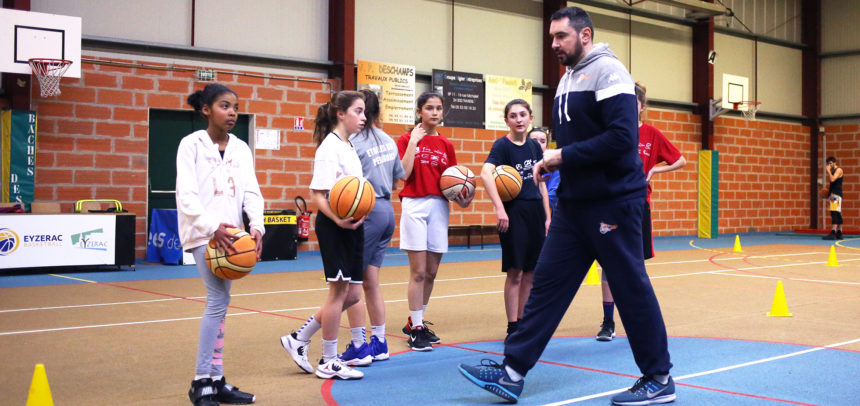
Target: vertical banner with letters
(464,97)
(500,90)
(18,140)
(395,86)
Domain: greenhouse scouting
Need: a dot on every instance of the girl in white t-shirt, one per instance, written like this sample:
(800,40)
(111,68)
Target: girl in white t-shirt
(341,240)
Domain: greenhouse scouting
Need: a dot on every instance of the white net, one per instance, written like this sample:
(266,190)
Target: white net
(748,109)
(49,72)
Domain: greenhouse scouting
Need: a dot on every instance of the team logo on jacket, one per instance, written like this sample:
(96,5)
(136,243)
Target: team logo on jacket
(582,76)
(605,228)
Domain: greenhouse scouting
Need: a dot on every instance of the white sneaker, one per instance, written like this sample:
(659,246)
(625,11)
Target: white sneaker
(335,368)
(298,349)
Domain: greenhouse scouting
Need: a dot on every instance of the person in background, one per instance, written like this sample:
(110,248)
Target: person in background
(834,200)
(425,154)
(524,220)
(658,156)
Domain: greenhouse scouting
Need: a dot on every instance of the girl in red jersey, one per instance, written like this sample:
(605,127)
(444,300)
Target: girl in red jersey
(654,148)
(425,154)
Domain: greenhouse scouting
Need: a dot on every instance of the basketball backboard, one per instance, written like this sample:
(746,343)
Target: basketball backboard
(27,34)
(735,90)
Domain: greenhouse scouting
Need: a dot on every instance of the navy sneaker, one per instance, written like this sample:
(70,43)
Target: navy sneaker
(431,335)
(203,392)
(493,378)
(647,391)
(230,394)
(607,331)
(378,349)
(357,357)
(418,339)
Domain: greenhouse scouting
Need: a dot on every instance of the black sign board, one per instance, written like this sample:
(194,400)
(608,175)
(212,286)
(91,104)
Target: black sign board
(464,97)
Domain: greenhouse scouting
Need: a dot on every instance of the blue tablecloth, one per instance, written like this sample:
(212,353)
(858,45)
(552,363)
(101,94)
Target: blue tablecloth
(163,245)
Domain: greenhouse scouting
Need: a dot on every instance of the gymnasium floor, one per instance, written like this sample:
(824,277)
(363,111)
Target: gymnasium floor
(109,338)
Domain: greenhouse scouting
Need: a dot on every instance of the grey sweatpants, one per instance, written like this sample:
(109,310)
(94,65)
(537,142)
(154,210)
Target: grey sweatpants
(210,347)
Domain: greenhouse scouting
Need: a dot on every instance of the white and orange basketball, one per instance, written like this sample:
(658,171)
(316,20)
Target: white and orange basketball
(508,182)
(455,179)
(352,196)
(226,265)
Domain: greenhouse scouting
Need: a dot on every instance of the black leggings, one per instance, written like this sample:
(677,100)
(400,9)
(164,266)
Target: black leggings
(836,217)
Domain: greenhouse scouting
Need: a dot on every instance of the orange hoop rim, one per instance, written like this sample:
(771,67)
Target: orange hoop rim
(745,103)
(48,60)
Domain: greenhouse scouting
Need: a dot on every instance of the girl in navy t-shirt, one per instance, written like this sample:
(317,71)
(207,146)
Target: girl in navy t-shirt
(522,222)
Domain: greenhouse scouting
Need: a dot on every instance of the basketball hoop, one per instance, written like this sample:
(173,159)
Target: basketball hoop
(49,72)
(749,108)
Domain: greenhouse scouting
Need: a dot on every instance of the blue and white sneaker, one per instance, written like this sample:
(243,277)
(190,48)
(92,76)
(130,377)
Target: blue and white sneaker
(357,357)
(378,349)
(493,378)
(646,391)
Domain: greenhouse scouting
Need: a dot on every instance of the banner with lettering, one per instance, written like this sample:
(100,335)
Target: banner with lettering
(464,97)
(500,90)
(395,86)
(34,240)
(18,139)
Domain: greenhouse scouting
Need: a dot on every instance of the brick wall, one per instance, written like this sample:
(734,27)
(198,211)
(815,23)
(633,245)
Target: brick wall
(92,143)
(92,139)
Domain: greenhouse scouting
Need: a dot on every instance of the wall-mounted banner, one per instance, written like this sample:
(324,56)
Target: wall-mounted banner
(464,97)
(57,240)
(501,90)
(395,86)
(17,155)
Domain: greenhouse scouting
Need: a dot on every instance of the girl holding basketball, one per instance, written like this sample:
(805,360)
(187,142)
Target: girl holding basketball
(341,240)
(524,220)
(381,166)
(425,154)
(215,182)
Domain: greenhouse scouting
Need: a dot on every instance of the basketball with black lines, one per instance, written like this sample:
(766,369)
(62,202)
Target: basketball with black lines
(508,182)
(232,265)
(352,197)
(455,179)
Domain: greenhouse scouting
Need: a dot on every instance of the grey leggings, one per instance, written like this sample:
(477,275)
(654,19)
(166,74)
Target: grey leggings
(211,343)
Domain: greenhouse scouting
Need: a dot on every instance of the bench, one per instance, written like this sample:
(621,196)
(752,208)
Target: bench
(469,229)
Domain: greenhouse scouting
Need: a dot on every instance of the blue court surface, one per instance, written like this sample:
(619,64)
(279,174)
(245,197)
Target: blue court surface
(583,371)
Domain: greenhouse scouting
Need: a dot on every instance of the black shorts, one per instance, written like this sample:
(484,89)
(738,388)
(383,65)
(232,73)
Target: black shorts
(522,243)
(341,250)
(647,239)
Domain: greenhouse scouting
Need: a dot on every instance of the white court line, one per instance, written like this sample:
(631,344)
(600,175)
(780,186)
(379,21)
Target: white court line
(721,271)
(130,323)
(712,371)
(275,292)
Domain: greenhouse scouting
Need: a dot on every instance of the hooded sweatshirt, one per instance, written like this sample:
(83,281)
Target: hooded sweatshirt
(211,190)
(596,126)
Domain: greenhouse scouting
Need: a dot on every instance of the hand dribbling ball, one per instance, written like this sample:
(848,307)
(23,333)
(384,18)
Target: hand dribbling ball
(226,265)
(455,179)
(352,196)
(508,182)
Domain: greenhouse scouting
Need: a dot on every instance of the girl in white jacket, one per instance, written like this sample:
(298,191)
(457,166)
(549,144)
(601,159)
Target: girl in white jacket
(215,182)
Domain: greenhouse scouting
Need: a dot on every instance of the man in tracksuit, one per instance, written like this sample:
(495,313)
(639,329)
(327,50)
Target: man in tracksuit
(599,216)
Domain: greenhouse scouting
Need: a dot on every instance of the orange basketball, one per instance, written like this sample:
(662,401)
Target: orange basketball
(235,265)
(508,182)
(352,196)
(454,179)
(824,192)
